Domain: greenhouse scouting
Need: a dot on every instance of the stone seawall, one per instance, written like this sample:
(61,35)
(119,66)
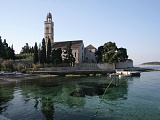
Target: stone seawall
(84,66)
(75,72)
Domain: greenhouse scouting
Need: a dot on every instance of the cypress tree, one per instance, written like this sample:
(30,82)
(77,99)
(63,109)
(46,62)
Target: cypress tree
(35,56)
(40,56)
(5,50)
(48,51)
(43,52)
(1,45)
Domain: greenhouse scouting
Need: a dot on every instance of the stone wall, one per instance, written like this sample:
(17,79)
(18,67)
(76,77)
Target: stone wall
(105,66)
(123,65)
(87,66)
(80,66)
(26,64)
(84,66)
(59,68)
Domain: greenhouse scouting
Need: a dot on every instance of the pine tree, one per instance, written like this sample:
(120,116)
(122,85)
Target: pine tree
(68,54)
(6,52)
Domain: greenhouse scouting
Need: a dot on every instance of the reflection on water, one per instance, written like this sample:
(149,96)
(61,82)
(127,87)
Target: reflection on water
(67,98)
(6,94)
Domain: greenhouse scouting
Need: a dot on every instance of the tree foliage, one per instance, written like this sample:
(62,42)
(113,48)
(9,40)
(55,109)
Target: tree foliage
(43,52)
(99,54)
(109,46)
(27,49)
(1,66)
(26,53)
(20,67)
(110,53)
(35,56)
(122,54)
(6,52)
(36,67)
(68,54)
(48,58)
(57,56)
(7,66)
(25,56)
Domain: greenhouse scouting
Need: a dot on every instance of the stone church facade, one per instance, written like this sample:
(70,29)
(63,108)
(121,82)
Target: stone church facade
(80,53)
(77,49)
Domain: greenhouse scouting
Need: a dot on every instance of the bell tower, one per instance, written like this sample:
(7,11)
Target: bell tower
(49,28)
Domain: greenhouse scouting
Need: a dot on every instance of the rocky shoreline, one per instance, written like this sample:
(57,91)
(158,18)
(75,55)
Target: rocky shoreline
(18,78)
(43,74)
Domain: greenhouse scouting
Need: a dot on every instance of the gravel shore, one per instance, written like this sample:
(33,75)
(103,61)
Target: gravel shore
(17,78)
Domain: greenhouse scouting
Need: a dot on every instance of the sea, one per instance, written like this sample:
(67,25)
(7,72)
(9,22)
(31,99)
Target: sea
(82,98)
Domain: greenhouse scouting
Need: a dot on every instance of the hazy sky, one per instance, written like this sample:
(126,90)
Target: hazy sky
(132,24)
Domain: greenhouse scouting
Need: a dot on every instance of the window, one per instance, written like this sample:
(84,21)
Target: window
(75,54)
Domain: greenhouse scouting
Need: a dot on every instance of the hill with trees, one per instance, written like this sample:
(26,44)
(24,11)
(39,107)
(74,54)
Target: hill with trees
(151,63)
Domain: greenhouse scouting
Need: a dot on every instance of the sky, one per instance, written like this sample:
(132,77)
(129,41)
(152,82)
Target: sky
(131,24)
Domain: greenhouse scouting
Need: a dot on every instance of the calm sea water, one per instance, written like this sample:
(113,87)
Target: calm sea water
(81,98)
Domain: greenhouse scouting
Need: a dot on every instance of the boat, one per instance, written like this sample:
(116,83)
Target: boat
(135,73)
(18,73)
(113,75)
(7,73)
(121,76)
(128,73)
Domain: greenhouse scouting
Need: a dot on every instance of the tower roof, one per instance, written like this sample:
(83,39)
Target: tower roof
(49,15)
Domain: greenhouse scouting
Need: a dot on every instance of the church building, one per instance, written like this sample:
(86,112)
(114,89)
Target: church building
(49,28)
(78,49)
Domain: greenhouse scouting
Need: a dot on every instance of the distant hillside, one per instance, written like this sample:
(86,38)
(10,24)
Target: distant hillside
(151,63)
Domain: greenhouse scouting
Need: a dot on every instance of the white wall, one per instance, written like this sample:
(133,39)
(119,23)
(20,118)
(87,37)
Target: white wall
(80,54)
(75,54)
(90,55)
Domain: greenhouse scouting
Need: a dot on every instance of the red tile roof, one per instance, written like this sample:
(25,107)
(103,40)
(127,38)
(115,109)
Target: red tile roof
(90,47)
(63,44)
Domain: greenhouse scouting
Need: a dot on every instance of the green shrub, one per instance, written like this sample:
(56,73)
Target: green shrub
(20,67)
(23,70)
(7,66)
(0,66)
(36,67)
(25,56)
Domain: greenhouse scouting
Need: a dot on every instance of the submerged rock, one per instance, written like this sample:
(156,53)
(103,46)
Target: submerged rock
(94,84)
(3,118)
(88,91)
